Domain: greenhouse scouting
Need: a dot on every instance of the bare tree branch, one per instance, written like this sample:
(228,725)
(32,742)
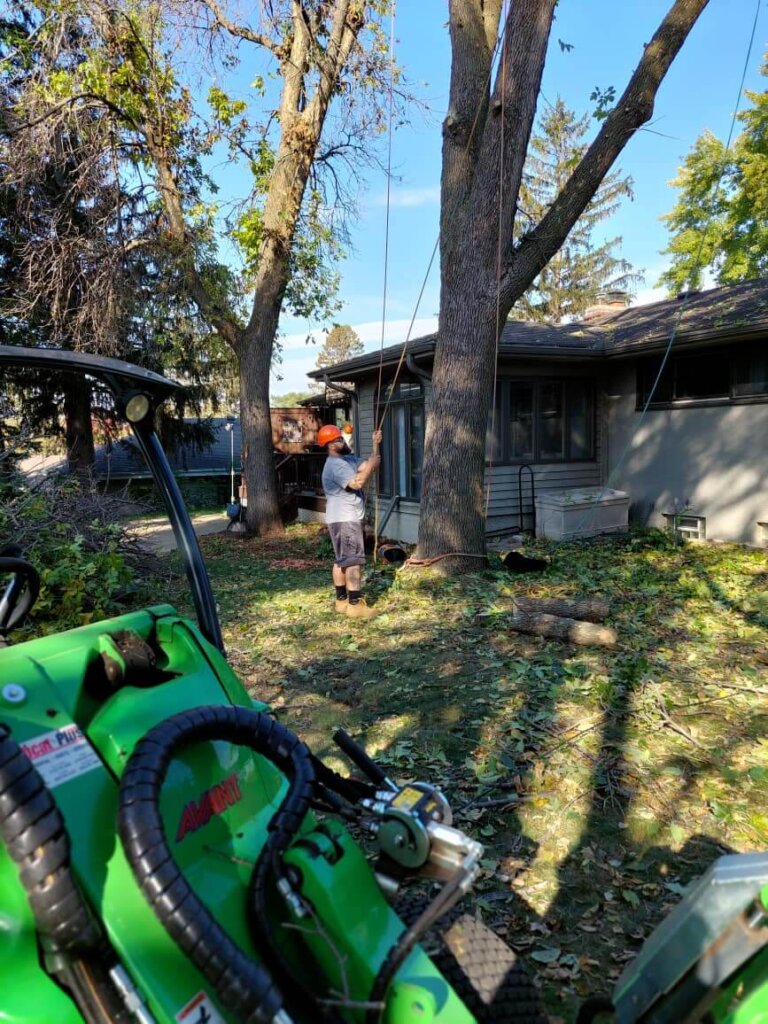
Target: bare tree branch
(239,31)
(633,110)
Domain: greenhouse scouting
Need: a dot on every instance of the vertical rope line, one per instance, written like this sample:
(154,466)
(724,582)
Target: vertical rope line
(375,479)
(437,240)
(380,415)
(505,14)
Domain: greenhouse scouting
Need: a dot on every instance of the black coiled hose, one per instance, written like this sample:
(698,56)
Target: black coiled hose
(243,986)
(33,831)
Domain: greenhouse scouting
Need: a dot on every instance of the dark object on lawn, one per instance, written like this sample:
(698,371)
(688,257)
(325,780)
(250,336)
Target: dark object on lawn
(516,562)
(392,553)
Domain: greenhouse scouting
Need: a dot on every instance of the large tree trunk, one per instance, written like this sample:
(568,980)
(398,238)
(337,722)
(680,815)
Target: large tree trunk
(263,512)
(453,496)
(78,428)
(485,139)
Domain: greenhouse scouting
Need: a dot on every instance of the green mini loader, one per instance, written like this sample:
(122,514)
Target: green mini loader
(171,854)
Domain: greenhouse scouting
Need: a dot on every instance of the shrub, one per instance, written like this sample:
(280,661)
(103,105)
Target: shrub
(89,567)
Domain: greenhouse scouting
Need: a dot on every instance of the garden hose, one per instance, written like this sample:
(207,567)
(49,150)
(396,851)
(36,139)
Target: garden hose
(245,988)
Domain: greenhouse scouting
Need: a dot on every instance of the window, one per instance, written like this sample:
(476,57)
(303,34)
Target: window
(543,421)
(714,375)
(402,445)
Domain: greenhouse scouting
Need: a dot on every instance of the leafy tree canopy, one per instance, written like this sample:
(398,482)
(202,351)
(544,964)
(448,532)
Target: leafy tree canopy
(722,228)
(290,399)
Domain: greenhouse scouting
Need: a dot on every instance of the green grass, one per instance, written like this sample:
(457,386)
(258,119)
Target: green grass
(600,780)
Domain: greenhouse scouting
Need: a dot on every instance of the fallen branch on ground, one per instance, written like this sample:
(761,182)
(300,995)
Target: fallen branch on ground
(590,610)
(556,627)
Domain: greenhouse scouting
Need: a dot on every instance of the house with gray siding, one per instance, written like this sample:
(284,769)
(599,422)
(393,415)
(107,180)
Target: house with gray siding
(595,404)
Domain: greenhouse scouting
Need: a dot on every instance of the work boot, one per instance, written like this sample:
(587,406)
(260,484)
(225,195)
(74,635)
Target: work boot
(360,610)
(341,606)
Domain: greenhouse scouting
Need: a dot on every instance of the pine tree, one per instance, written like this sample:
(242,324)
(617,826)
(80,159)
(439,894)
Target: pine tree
(342,343)
(583,267)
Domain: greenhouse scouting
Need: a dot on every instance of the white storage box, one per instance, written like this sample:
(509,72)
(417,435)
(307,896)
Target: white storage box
(581,512)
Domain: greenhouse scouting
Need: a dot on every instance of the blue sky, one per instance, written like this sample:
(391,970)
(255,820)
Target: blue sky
(607,36)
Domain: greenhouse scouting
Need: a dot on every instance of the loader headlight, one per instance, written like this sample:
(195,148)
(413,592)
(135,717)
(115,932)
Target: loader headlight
(137,407)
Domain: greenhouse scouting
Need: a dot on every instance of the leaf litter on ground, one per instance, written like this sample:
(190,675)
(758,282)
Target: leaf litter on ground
(601,781)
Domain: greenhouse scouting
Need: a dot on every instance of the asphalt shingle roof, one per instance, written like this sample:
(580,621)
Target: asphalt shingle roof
(122,459)
(718,314)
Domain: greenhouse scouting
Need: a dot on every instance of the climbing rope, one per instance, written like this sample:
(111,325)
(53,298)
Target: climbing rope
(489,472)
(386,266)
(381,414)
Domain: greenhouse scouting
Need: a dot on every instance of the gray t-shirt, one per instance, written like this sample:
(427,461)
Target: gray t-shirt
(342,506)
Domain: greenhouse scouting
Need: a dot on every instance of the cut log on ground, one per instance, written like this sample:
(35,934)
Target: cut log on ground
(591,610)
(556,627)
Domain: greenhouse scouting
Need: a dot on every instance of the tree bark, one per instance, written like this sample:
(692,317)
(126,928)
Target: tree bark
(591,609)
(309,83)
(78,428)
(482,273)
(554,627)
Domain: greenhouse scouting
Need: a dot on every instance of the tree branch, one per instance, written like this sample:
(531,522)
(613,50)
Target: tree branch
(241,31)
(512,111)
(633,110)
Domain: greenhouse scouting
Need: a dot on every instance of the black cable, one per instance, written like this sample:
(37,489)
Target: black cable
(245,988)
(36,838)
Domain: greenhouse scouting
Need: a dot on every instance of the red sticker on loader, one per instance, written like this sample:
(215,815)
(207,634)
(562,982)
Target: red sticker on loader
(200,1010)
(210,802)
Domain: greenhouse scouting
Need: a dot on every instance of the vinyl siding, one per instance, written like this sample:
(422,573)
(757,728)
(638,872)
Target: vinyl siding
(503,507)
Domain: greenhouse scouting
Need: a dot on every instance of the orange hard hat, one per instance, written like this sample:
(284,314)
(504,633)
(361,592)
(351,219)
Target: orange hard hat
(327,434)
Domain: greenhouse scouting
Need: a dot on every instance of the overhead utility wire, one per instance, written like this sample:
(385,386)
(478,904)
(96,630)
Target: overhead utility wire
(696,268)
(386,263)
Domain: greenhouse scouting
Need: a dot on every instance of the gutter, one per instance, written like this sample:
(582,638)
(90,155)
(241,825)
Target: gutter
(349,392)
(417,371)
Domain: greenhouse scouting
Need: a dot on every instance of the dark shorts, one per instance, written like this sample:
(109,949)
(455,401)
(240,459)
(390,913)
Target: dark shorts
(347,540)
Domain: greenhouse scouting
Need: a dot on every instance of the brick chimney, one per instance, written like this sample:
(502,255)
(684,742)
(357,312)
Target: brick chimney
(607,303)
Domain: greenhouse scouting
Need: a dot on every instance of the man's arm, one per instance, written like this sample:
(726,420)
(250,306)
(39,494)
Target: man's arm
(366,469)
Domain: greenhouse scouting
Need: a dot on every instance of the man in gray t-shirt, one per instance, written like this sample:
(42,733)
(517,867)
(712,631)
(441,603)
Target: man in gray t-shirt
(344,476)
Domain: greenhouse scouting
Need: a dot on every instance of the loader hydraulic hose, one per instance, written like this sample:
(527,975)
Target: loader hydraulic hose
(243,986)
(33,831)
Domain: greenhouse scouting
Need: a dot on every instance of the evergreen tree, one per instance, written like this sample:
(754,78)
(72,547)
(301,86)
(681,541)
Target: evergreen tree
(722,228)
(82,260)
(342,343)
(582,268)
